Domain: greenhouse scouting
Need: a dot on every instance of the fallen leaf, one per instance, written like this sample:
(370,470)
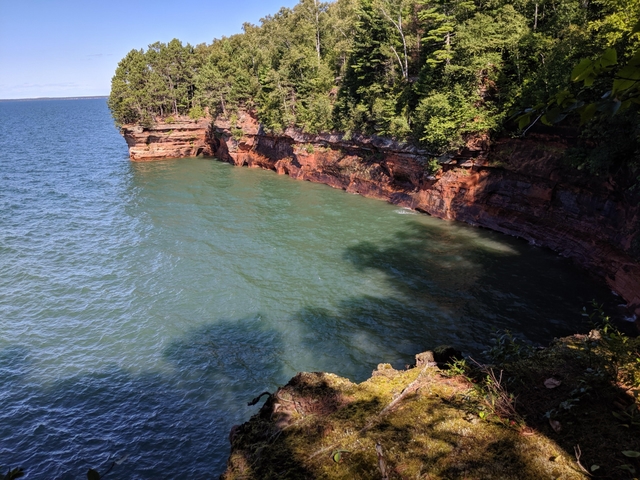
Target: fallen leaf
(631,453)
(555,424)
(552,383)
(628,468)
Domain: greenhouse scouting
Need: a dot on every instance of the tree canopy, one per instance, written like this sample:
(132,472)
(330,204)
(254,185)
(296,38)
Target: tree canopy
(434,72)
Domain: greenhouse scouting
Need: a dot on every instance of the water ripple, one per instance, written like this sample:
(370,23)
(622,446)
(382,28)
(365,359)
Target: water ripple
(142,305)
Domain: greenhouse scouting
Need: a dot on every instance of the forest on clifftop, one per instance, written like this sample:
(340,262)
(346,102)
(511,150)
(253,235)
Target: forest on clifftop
(432,72)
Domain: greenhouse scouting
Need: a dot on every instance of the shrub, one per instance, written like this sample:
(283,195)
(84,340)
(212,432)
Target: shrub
(432,166)
(196,112)
(237,133)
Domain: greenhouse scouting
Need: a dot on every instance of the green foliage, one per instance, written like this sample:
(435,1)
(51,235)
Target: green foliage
(196,112)
(609,145)
(505,348)
(458,367)
(444,118)
(154,83)
(623,93)
(432,166)
(237,133)
(432,72)
(603,96)
(621,351)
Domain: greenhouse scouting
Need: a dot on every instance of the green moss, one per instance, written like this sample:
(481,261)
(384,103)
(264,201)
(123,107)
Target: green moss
(465,422)
(429,432)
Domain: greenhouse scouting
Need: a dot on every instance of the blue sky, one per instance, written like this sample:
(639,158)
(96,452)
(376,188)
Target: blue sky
(61,48)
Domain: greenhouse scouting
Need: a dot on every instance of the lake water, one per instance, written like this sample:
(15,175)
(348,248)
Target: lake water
(143,305)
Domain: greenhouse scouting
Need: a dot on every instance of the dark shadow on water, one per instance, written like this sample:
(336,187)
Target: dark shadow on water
(443,288)
(172,422)
(482,281)
(229,352)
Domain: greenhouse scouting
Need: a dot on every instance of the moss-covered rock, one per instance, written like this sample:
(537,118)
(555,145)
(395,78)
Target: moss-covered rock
(427,425)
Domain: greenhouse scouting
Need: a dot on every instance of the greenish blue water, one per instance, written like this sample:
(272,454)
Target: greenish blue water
(143,305)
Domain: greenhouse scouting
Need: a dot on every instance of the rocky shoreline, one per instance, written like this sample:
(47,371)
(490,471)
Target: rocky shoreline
(426,422)
(516,186)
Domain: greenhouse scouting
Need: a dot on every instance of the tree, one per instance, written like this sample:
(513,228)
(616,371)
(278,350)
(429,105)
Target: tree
(434,72)
(128,100)
(440,18)
(394,11)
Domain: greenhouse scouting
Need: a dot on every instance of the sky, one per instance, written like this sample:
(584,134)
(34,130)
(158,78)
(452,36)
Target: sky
(69,48)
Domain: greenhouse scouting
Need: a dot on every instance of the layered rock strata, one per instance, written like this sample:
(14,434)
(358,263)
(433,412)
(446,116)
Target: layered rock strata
(181,138)
(517,187)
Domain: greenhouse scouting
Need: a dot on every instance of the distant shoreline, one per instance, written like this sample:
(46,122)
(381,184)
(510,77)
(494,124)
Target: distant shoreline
(95,97)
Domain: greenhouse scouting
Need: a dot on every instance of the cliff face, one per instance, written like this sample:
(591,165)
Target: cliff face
(520,190)
(182,138)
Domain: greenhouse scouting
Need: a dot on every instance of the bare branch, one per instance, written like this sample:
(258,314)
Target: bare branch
(404,68)
(398,57)
(578,453)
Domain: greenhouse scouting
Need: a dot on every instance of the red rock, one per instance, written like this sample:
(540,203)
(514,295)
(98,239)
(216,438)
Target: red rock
(525,193)
(183,138)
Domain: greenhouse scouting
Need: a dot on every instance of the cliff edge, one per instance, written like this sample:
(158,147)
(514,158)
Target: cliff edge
(178,138)
(516,186)
(540,413)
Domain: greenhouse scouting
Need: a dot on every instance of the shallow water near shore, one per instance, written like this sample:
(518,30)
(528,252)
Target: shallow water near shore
(143,305)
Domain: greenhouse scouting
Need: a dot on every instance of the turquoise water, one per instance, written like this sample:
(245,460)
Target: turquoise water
(143,305)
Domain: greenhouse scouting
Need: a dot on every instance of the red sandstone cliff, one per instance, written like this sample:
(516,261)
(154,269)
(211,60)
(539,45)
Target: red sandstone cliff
(521,191)
(181,138)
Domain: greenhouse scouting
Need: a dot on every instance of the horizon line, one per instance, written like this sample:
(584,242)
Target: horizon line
(80,97)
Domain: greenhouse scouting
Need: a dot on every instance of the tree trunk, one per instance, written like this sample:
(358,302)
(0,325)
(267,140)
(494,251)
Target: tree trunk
(317,12)
(447,42)
(224,108)
(404,67)
(404,45)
